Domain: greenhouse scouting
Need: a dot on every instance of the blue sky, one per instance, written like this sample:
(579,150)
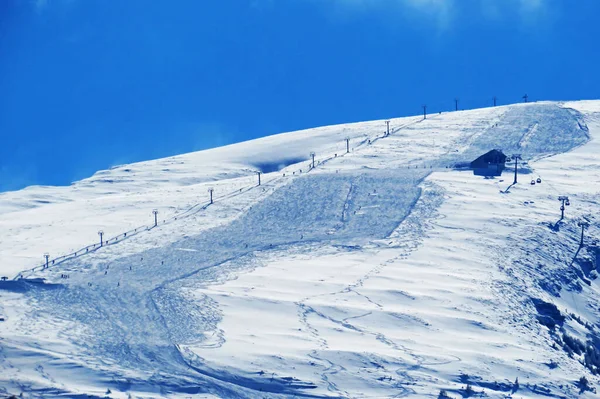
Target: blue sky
(89,84)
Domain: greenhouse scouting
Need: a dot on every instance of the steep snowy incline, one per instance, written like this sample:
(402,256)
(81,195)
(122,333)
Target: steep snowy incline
(379,273)
(62,220)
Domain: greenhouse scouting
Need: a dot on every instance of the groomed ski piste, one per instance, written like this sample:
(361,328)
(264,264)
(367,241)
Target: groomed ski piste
(381,272)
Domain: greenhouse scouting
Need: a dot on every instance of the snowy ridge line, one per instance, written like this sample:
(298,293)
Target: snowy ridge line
(392,131)
(194,209)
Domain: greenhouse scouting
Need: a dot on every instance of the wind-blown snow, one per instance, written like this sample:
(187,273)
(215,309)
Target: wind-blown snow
(380,273)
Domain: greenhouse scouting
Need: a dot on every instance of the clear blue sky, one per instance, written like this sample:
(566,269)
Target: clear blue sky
(88,84)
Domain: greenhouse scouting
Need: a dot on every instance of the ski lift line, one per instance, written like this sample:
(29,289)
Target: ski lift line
(567,202)
(556,192)
(472,103)
(372,140)
(194,209)
(63,258)
(187,213)
(546,182)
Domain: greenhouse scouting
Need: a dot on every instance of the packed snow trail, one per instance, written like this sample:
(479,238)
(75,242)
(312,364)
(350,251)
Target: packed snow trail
(338,259)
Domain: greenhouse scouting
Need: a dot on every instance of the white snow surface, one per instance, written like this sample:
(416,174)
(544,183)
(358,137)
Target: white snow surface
(380,273)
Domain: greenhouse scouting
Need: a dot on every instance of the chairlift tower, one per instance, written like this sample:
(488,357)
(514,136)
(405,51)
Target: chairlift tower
(525,98)
(312,155)
(258,173)
(155,212)
(347,145)
(456,104)
(47,257)
(210,192)
(494,99)
(564,201)
(424,111)
(101,234)
(583,224)
(387,132)
(516,157)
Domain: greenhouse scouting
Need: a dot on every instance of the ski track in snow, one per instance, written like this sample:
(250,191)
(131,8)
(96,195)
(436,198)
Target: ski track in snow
(380,273)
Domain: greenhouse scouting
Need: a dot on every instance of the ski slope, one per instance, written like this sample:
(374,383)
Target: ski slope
(382,272)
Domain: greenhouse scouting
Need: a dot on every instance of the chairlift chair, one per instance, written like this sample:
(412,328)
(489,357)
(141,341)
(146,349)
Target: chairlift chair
(539,179)
(533,182)
(567,203)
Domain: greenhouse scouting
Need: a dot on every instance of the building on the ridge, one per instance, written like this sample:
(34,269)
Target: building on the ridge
(489,164)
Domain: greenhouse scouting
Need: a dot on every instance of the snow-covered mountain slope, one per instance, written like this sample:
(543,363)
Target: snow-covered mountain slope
(382,272)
